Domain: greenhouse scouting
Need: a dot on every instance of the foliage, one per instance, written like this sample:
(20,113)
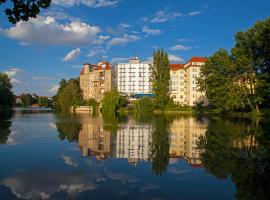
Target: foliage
(24,9)
(6,94)
(160,146)
(92,103)
(145,104)
(110,102)
(27,100)
(240,81)
(68,94)
(160,77)
(44,102)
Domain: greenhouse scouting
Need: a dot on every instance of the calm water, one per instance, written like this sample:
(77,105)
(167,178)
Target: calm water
(55,156)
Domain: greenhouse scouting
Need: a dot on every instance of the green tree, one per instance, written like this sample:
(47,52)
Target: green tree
(110,102)
(145,104)
(160,77)
(44,102)
(69,94)
(24,9)
(6,94)
(26,100)
(220,82)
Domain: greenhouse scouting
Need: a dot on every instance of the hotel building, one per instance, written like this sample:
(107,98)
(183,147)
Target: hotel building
(183,84)
(95,80)
(133,77)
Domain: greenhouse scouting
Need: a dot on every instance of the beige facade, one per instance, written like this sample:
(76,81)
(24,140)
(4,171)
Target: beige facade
(183,84)
(95,80)
(184,137)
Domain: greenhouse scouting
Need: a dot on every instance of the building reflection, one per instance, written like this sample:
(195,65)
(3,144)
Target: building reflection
(184,137)
(133,140)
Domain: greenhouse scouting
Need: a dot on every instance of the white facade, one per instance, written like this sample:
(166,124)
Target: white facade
(133,142)
(133,77)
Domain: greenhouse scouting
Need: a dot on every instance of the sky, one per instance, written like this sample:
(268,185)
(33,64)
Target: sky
(37,54)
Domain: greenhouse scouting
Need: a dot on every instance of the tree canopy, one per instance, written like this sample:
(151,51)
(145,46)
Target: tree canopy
(22,10)
(240,80)
(6,94)
(160,77)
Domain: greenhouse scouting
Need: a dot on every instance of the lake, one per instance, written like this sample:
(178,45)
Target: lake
(45,155)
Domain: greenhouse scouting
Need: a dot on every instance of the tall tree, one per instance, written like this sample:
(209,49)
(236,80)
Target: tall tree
(24,9)
(69,94)
(6,94)
(110,102)
(219,82)
(160,77)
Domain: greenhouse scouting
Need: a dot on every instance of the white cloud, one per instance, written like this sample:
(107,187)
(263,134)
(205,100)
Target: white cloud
(194,13)
(179,47)
(95,51)
(174,58)
(118,60)
(125,25)
(163,16)
(89,3)
(72,54)
(104,37)
(185,40)
(124,40)
(54,89)
(45,30)
(151,31)
(26,82)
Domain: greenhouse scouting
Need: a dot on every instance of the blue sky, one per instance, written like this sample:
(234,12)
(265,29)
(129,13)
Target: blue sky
(39,53)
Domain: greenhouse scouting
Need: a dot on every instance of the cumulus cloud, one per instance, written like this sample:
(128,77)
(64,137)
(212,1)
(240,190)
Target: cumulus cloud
(104,37)
(124,40)
(163,16)
(45,30)
(118,60)
(72,54)
(194,13)
(89,3)
(179,47)
(174,58)
(54,89)
(150,31)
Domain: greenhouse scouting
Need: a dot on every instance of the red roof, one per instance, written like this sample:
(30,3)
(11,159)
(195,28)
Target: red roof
(198,59)
(176,66)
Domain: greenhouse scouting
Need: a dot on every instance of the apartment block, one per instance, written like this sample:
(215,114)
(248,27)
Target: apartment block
(183,83)
(95,80)
(133,77)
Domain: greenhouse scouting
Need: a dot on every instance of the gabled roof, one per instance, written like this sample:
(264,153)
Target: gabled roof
(175,67)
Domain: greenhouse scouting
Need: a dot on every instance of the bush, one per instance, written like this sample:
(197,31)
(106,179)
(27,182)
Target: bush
(145,104)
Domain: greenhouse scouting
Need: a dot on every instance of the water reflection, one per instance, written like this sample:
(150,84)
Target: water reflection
(5,124)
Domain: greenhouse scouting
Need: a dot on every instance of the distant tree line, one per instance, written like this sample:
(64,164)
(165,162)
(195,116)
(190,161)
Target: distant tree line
(240,80)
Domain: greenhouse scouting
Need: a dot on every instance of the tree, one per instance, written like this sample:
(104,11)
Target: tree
(218,79)
(160,77)
(44,102)
(145,104)
(6,95)
(110,102)
(26,100)
(69,94)
(24,9)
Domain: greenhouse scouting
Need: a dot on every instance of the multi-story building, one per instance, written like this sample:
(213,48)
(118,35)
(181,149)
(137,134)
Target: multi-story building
(133,77)
(183,84)
(95,80)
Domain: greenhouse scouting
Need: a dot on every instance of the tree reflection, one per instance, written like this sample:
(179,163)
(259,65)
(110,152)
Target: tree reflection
(239,149)
(5,124)
(160,146)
